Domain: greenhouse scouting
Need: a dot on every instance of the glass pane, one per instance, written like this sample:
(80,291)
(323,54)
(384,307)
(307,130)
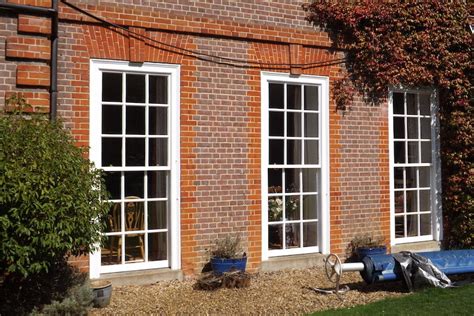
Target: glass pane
(111,119)
(399,152)
(293,121)
(424,177)
(412,127)
(425,104)
(411,104)
(412,225)
(411,202)
(292,180)
(134,184)
(425,201)
(111,152)
(311,125)
(275,154)
(275,177)
(135,120)
(293,96)
(157,246)
(114,223)
(310,206)
(399,226)
(157,215)
(111,87)
(292,208)
(275,209)
(310,180)
(310,234)
(425,128)
(110,253)
(292,235)
(293,154)
(398,103)
(158,89)
(413,152)
(311,152)
(135,88)
(158,152)
(112,183)
(275,236)
(399,127)
(425,224)
(158,121)
(135,152)
(134,248)
(157,184)
(311,98)
(410,177)
(275,95)
(277,123)
(426,152)
(398,177)
(134,215)
(399,201)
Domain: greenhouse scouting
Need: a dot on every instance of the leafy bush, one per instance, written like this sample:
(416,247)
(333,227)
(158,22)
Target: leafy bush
(51,197)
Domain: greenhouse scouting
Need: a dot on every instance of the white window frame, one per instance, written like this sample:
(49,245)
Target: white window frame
(95,118)
(323,212)
(435,175)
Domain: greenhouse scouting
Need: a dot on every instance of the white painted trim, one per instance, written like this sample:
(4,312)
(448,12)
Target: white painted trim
(323,216)
(95,84)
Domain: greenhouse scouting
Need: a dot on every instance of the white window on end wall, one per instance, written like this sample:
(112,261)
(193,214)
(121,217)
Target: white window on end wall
(294,164)
(414,160)
(134,132)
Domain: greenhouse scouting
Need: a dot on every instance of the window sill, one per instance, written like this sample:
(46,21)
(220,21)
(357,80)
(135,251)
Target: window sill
(293,262)
(142,277)
(418,246)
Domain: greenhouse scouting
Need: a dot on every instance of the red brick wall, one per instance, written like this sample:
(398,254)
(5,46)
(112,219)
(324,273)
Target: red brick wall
(220,107)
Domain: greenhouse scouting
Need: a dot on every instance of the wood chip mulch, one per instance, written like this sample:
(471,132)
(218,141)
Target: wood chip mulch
(282,292)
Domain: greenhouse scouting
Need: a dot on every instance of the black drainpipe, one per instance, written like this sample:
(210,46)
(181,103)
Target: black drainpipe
(53,13)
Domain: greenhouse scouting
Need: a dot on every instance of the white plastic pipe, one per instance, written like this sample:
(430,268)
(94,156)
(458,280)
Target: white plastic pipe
(353,266)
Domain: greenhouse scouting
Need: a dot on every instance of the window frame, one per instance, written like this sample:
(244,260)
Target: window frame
(323,212)
(435,172)
(98,66)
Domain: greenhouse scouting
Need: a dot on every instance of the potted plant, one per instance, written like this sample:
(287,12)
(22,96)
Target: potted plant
(228,255)
(365,245)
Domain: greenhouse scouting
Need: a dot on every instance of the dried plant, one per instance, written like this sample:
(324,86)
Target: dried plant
(229,247)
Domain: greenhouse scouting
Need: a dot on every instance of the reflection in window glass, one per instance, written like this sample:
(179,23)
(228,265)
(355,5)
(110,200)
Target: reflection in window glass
(135,152)
(111,119)
(134,184)
(158,86)
(293,96)
(135,120)
(111,87)
(158,121)
(311,98)
(111,152)
(135,88)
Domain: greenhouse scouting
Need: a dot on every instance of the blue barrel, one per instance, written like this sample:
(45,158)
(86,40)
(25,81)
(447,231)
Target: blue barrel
(379,268)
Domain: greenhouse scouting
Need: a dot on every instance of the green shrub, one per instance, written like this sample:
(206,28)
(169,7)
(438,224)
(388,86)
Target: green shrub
(51,197)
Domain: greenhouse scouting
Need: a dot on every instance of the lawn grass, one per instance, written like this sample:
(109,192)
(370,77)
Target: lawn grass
(433,301)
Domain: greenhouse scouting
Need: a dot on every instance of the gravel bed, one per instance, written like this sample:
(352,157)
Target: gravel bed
(282,292)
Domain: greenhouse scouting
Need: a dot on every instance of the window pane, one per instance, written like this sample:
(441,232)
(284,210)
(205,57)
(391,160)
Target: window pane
(411,202)
(292,180)
(276,123)
(399,127)
(399,201)
(425,201)
(134,215)
(293,153)
(157,184)
(135,120)
(425,128)
(110,251)
(112,183)
(158,152)
(111,87)
(410,177)
(399,226)
(275,177)
(310,206)
(275,209)
(111,152)
(111,119)
(134,184)
(135,152)
(413,152)
(425,224)
(158,89)
(412,127)
(311,98)
(426,152)
(425,104)
(311,152)
(311,125)
(292,208)
(275,154)
(310,180)
(157,246)
(275,236)
(424,177)
(114,223)
(135,88)
(293,94)
(276,95)
(293,121)
(398,103)
(399,152)
(292,235)
(310,234)
(412,225)
(157,215)
(398,177)
(158,121)
(411,104)
(134,248)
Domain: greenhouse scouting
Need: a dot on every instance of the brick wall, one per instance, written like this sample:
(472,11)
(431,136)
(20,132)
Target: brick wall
(220,106)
